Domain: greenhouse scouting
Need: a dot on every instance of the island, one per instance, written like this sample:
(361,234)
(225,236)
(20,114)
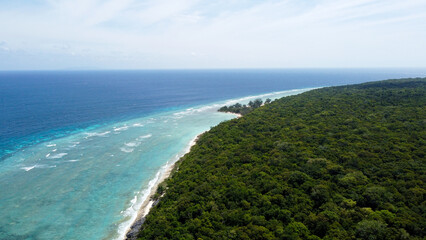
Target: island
(344,162)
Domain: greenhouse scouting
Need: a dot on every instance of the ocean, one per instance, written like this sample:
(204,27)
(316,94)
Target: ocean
(79,150)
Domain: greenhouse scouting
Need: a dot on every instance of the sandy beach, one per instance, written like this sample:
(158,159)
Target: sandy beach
(148,203)
(132,230)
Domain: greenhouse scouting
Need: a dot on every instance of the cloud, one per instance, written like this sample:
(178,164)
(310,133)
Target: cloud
(237,33)
(3,46)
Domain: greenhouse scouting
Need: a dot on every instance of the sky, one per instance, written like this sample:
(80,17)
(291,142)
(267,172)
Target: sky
(193,34)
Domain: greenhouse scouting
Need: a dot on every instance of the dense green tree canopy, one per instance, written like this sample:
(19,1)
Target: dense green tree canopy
(244,109)
(333,163)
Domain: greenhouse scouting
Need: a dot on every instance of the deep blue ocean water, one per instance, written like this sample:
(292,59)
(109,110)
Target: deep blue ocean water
(39,105)
(79,149)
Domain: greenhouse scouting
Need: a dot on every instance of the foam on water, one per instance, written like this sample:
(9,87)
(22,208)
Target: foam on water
(57,156)
(74,144)
(37,166)
(28,168)
(144,137)
(73,160)
(127,150)
(95,134)
(132,144)
(123,128)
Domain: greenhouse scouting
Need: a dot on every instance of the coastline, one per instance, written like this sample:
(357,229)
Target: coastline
(133,226)
(132,230)
(223,182)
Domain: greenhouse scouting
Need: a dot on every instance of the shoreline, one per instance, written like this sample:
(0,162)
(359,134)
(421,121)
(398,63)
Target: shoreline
(133,230)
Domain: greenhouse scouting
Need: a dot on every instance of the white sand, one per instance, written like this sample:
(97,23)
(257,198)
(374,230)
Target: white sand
(164,174)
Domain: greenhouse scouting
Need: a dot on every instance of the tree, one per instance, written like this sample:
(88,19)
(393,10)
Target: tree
(371,230)
(337,163)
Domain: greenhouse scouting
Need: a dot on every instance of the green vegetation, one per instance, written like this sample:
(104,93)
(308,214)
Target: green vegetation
(244,109)
(334,163)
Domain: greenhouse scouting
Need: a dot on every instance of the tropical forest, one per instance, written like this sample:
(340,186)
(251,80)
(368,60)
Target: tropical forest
(345,162)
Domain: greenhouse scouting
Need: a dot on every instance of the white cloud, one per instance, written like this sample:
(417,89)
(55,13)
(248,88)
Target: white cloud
(237,33)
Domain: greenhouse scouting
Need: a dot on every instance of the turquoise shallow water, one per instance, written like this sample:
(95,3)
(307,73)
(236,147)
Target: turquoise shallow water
(89,185)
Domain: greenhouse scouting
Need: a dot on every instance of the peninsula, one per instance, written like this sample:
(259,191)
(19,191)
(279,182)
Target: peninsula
(333,163)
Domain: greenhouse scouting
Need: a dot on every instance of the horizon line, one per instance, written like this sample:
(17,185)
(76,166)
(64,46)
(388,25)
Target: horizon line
(205,69)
